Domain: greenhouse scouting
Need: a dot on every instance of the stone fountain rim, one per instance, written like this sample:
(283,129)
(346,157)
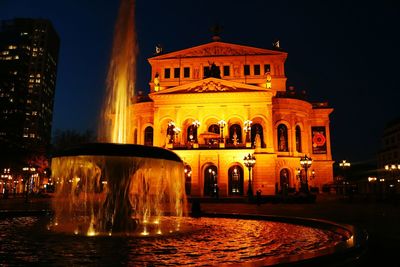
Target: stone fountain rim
(341,252)
(120,150)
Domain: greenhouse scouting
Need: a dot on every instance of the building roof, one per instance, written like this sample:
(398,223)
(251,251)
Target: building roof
(214,49)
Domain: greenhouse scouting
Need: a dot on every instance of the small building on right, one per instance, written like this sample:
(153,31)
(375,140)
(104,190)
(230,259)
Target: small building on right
(390,144)
(388,158)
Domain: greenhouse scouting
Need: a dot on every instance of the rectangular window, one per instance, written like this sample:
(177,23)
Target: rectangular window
(167,73)
(257,69)
(227,71)
(267,68)
(246,69)
(177,72)
(186,72)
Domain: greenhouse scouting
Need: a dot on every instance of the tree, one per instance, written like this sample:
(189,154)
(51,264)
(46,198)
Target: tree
(69,138)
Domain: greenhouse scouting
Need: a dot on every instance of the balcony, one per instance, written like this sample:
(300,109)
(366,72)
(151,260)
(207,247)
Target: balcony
(209,144)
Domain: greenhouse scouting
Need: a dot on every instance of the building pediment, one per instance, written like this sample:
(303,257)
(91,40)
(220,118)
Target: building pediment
(210,85)
(218,49)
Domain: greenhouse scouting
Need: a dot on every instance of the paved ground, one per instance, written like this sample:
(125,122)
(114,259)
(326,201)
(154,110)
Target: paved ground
(380,219)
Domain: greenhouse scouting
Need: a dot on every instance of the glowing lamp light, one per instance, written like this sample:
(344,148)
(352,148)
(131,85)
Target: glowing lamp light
(91,233)
(177,130)
(145,232)
(196,123)
(344,164)
(247,125)
(305,162)
(221,123)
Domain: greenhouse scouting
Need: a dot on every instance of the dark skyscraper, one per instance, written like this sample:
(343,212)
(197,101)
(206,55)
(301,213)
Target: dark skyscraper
(28,69)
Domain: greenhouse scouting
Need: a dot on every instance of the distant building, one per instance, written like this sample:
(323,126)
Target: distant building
(216,103)
(28,69)
(389,158)
(390,145)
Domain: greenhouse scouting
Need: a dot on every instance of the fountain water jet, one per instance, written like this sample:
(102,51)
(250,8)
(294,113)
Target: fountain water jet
(121,77)
(112,186)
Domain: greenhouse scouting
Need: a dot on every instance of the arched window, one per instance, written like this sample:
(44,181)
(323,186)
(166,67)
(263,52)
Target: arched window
(188,179)
(210,180)
(283,138)
(298,139)
(235,134)
(148,136)
(257,135)
(235,182)
(191,134)
(214,128)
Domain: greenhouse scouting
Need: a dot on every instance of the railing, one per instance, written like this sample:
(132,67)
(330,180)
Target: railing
(208,146)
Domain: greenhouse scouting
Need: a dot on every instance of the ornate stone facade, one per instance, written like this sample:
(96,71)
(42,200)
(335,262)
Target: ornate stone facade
(213,123)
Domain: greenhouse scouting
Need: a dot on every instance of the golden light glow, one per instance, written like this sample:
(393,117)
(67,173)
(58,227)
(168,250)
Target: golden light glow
(145,232)
(121,78)
(85,198)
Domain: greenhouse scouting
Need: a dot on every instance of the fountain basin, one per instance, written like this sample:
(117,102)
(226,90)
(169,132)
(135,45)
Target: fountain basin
(106,188)
(122,150)
(215,240)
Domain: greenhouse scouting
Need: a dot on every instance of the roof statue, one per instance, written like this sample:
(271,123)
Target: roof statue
(276,44)
(212,71)
(216,31)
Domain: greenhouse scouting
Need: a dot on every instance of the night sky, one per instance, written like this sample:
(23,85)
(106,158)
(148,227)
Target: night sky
(343,52)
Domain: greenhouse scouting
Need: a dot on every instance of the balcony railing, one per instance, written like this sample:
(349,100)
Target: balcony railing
(208,146)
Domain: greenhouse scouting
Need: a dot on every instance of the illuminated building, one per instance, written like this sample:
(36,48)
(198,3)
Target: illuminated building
(28,68)
(216,103)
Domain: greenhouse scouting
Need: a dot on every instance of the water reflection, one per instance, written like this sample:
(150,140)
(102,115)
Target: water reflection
(201,241)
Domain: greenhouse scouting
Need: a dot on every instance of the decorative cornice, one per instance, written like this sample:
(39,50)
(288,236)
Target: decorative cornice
(219,51)
(210,86)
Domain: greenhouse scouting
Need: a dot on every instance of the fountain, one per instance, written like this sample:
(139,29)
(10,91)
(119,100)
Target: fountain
(135,194)
(112,186)
(108,188)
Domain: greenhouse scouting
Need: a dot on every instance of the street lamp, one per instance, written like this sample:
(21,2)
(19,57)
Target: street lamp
(249,162)
(305,163)
(393,171)
(196,124)
(170,132)
(344,165)
(222,124)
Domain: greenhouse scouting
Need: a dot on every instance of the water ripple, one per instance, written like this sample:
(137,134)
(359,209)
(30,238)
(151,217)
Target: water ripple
(26,241)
